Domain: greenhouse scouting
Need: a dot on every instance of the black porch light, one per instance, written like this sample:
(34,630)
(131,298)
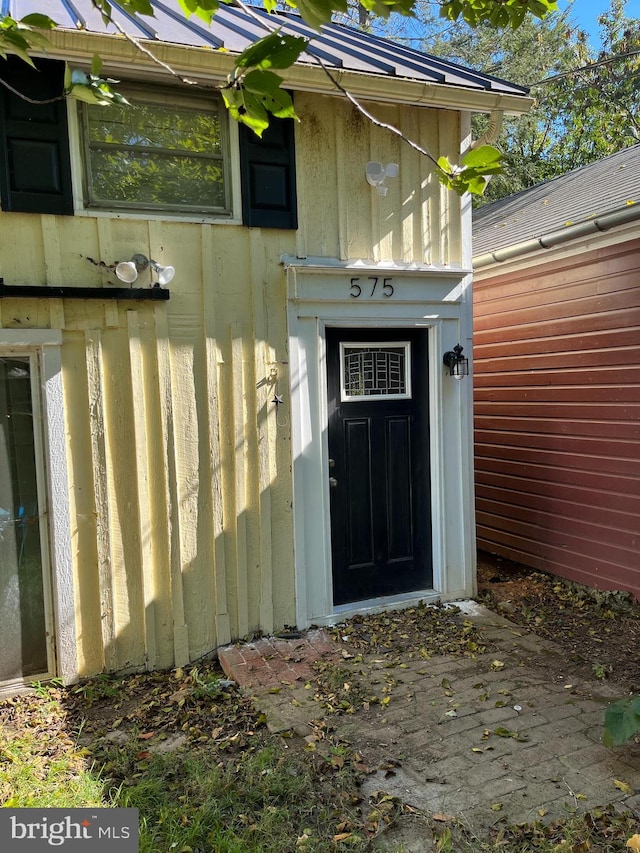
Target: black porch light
(457,363)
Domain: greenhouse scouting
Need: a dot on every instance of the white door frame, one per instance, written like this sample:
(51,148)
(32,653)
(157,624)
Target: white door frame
(321,294)
(43,347)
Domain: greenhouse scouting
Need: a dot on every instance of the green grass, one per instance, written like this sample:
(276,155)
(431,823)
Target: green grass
(42,765)
(231,786)
(263,801)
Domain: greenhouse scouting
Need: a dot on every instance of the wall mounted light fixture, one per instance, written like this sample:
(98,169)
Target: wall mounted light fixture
(457,363)
(377,174)
(128,271)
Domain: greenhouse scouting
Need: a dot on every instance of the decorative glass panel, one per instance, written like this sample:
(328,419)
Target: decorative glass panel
(375,371)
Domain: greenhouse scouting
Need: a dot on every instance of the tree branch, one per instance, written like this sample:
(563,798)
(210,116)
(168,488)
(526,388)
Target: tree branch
(27,98)
(365,112)
(136,43)
(587,67)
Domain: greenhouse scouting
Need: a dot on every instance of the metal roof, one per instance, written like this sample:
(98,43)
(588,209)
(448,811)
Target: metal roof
(233,29)
(584,194)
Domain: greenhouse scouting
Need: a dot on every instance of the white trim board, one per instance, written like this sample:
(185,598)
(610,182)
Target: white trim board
(321,297)
(46,345)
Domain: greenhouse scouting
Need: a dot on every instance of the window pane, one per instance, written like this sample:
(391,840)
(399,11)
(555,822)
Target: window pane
(152,178)
(156,154)
(22,627)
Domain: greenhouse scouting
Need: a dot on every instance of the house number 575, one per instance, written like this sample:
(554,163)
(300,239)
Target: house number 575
(367,287)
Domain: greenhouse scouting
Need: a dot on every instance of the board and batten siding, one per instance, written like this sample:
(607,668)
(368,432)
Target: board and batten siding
(179,466)
(557,415)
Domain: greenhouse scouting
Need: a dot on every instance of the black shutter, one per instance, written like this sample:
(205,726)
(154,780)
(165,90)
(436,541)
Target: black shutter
(35,169)
(268,169)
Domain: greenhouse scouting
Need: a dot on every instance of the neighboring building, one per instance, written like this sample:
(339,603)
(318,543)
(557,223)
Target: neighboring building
(174,471)
(557,374)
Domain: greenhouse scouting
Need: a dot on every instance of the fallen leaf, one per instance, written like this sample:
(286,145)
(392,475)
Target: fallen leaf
(496,807)
(146,735)
(497,664)
(634,843)
(625,787)
(502,732)
(476,749)
(443,818)
(542,812)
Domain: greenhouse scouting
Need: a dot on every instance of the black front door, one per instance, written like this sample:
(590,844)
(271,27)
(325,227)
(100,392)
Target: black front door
(378,462)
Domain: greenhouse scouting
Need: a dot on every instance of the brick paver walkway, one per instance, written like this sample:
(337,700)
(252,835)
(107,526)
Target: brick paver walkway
(482,741)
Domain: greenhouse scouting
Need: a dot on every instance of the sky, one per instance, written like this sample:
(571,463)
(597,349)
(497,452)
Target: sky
(585,13)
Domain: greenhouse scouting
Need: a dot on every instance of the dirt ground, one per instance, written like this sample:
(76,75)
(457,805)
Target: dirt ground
(600,631)
(158,712)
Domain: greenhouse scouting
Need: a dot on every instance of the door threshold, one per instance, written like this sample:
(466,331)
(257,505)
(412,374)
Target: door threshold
(378,605)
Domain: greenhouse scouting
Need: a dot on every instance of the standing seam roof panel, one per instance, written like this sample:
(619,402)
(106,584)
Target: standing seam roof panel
(337,45)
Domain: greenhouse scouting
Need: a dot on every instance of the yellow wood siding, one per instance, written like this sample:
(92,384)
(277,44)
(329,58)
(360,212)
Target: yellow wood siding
(179,465)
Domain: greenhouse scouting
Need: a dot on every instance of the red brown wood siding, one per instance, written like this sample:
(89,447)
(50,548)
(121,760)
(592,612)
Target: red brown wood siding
(557,416)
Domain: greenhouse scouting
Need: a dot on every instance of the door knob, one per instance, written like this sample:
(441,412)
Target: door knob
(333,482)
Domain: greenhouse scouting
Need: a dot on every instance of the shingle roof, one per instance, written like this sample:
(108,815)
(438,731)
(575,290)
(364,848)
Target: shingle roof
(602,187)
(339,46)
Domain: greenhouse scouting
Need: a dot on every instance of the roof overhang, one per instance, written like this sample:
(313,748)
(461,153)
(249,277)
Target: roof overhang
(206,65)
(561,236)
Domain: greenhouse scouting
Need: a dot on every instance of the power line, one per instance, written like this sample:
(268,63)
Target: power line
(588,67)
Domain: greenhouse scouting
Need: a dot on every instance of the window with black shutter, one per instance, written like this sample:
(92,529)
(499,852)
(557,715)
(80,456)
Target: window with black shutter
(35,169)
(269,176)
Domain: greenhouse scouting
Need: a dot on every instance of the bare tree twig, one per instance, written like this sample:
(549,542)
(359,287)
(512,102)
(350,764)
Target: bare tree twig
(365,112)
(608,61)
(136,43)
(27,98)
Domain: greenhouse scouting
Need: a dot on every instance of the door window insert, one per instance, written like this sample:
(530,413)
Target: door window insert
(375,371)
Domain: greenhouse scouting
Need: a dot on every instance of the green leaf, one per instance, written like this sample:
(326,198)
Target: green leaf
(477,185)
(496,14)
(204,9)
(272,51)
(246,108)
(14,42)
(137,7)
(383,8)
(42,22)
(262,82)
(621,721)
(319,12)
(96,65)
(482,156)
(104,7)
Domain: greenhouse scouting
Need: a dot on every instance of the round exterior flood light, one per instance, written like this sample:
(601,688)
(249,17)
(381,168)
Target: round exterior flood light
(127,272)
